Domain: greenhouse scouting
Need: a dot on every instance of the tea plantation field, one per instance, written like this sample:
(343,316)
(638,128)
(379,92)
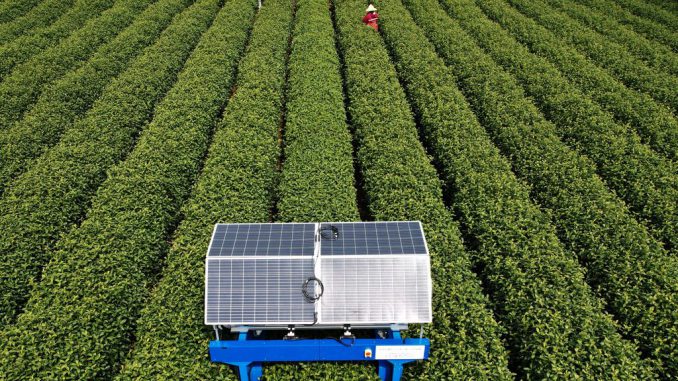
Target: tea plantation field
(536,140)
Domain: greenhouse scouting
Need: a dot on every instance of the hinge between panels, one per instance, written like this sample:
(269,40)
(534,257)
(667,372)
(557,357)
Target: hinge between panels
(317,273)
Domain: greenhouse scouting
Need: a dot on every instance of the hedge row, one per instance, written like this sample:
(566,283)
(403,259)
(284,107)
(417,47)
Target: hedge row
(646,181)
(21,88)
(401,184)
(657,55)
(317,173)
(41,15)
(236,185)
(609,55)
(654,122)
(648,28)
(556,328)
(627,267)
(93,290)
(650,11)
(317,179)
(13,9)
(667,5)
(68,98)
(49,198)
(24,47)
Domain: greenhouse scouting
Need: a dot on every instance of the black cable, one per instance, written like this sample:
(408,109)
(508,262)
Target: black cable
(304,290)
(341,341)
(324,232)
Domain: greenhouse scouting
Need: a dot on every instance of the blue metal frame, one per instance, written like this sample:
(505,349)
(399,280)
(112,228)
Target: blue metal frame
(248,353)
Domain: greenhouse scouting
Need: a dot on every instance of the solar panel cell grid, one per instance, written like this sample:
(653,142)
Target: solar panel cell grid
(373,289)
(376,238)
(242,291)
(231,240)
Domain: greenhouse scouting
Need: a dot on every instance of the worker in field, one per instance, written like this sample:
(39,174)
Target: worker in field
(371,17)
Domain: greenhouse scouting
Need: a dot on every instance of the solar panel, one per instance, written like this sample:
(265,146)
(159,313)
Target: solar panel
(369,273)
(375,238)
(265,291)
(231,240)
(375,289)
